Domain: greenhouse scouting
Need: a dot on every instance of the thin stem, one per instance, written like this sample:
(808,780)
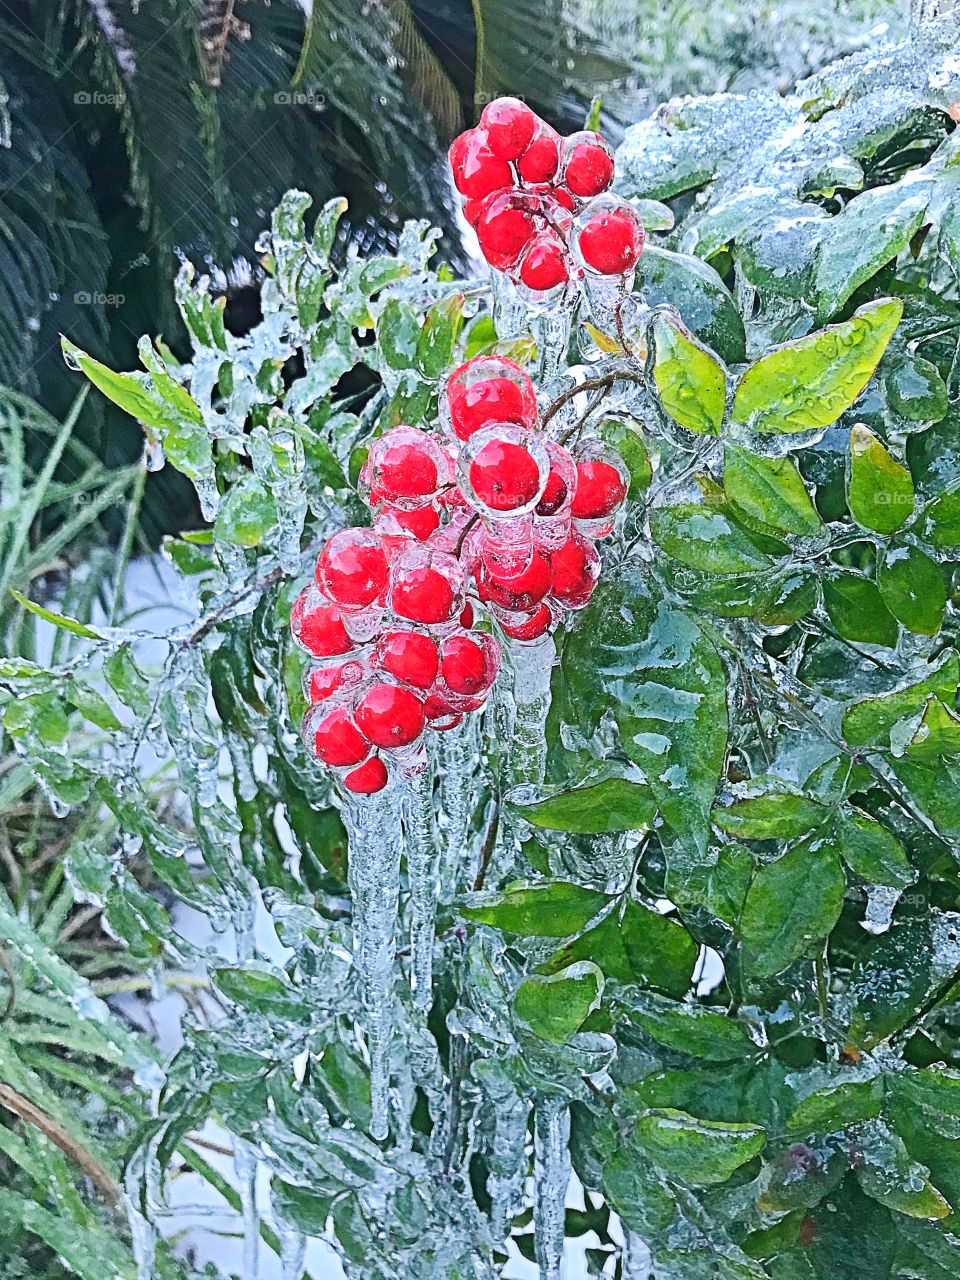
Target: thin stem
(590,384)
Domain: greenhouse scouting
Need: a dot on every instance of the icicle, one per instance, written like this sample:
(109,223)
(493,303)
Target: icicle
(532,667)
(552,332)
(375,841)
(420,846)
(551,1177)
(507,1158)
(293,1251)
(457,766)
(153,455)
(509,313)
(245,1167)
(636,1257)
(143,1237)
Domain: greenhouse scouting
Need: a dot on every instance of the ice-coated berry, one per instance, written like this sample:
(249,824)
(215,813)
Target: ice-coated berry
(587,165)
(476,170)
(522,593)
(576,567)
(390,716)
(601,489)
(544,264)
(318,626)
(392,522)
(504,229)
(489,389)
(466,616)
(541,159)
(327,680)
(404,466)
(410,656)
(611,243)
(338,741)
(537,624)
(367,778)
(426,586)
(469,663)
(504,474)
(509,125)
(352,568)
(561,482)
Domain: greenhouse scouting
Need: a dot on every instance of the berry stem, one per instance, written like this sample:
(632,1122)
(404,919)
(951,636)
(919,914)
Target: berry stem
(471,523)
(604,382)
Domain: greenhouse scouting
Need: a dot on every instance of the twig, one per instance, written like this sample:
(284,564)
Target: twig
(590,384)
(57,1134)
(488,847)
(471,523)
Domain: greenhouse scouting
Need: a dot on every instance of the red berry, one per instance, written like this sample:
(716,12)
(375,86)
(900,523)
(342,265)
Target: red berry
(611,242)
(554,495)
(472,210)
(542,157)
(352,568)
(522,593)
(419,523)
(338,741)
(536,625)
(466,616)
(410,656)
(319,626)
(588,168)
(504,230)
(476,170)
(544,265)
(389,716)
(465,666)
(576,567)
(406,471)
(489,389)
(325,681)
(509,125)
(600,490)
(368,778)
(436,707)
(426,590)
(564,198)
(504,475)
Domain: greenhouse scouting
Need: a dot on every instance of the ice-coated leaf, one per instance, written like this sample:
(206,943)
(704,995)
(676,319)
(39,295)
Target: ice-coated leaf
(439,335)
(703,301)
(551,910)
(916,391)
(770,490)
(704,538)
(870,850)
(869,722)
(92,705)
(694,1029)
(247,513)
(879,489)
(808,383)
(837,1106)
(59,620)
(856,609)
(635,945)
(615,804)
(937,734)
(790,906)
(625,436)
(651,665)
(887,1173)
(912,587)
(555,1007)
(867,233)
(127,680)
(701,1153)
(941,521)
(691,383)
(775,813)
(398,331)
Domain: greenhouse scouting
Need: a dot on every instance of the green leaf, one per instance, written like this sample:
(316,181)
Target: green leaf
(626,437)
(594,808)
(808,383)
(696,291)
(693,1029)
(58,620)
(128,391)
(635,945)
(247,513)
(439,335)
(127,680)
(481,336)
(870,722)
(870,850)
(941,521)
(855,607)
(89,1250)
(916,391)
(704,538)
(937,734)
(770,490)
(865,235)
(777,814)
(92,705)
(652,666)
(554,910)
(913,589)
(260,991)
(890,1176)
(555,1007)
(701,1153)
(398,331)
(791,905)
(692,385)
(837,1106)
(879,489)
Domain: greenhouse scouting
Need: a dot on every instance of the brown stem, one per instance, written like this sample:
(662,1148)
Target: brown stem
(58,1135)
(590,384)
(488,847)
(463,533)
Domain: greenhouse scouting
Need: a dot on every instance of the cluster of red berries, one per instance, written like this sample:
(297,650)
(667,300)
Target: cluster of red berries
(536,200)
(489,511)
